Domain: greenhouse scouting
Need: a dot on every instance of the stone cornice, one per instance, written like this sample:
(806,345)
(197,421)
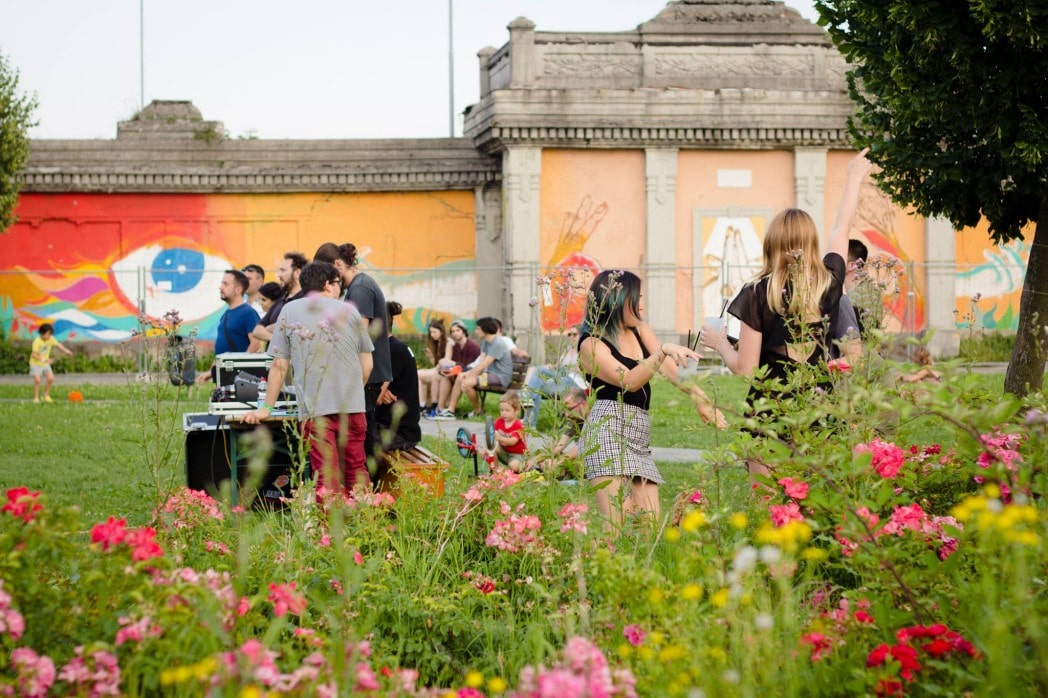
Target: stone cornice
(223,165)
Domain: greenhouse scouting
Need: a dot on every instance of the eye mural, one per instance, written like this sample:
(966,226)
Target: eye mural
(91,278)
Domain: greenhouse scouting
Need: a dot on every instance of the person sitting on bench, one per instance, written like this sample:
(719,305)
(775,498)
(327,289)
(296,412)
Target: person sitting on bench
(494,367)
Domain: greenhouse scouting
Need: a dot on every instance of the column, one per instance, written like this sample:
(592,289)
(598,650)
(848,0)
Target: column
(809,181)
(521,170)
(940,243)
(660,182)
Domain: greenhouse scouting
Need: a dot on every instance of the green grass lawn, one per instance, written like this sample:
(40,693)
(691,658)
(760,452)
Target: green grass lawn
(114,452)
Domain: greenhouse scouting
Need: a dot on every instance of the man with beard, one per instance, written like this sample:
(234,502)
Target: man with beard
(363,292)
(287,274)
(235,325)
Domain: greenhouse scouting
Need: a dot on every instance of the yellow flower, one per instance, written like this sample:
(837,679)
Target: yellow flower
(496,684)
(671,653)
(1023,537)
(173,675)
(814,554)
(720,598)
(718,654)
(672,534)
(205,668)
(250,691)
(746,599)
(738,520)
(625,650)
(693,521)
(691,592)
(474,679)
(656,595)
(645,652)
(992,491)
(656,637)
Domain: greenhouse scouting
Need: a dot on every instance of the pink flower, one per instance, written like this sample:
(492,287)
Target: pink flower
(22,503)
(143,544)
(285,600)
(34,674)
(695,497)
(634,634)
(573,520)
(782,514)
(98,673)
(366,679)
(887,458)
(135,632)
(838,366)
(795,489)
(243,606)
(358,558)
(325,541)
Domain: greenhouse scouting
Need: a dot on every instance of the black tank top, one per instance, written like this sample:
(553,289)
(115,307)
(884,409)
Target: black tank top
(603,390)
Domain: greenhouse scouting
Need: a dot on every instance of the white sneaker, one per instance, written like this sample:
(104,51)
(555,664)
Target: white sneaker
(444,415)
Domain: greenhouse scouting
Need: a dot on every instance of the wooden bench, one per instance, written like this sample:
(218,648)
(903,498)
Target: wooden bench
(418,465)
(520,372)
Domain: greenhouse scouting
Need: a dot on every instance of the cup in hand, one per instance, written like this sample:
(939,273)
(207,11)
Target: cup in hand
(688,369)
(713,323)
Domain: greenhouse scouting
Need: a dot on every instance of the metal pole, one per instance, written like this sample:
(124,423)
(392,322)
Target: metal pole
(142,53)
(451,69)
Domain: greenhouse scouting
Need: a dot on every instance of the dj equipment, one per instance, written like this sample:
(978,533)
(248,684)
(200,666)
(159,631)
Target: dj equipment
(208,455)
(238,376)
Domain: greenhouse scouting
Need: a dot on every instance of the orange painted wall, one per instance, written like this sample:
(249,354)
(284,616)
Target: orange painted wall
(592,217)
(990,279)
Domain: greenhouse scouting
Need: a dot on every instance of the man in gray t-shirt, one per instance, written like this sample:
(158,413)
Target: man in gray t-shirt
(325,346)
(494,366)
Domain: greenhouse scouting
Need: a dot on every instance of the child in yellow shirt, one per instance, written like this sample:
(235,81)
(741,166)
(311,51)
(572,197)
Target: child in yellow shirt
(40,360)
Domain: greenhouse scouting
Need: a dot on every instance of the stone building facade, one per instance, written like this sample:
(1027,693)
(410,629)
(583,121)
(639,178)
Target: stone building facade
(663,149)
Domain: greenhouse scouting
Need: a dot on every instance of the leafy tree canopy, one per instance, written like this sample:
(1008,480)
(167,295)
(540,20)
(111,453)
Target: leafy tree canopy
(16,118)
(952,97)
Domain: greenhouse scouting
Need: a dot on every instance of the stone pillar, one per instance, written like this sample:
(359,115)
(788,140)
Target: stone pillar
(940,243)
(521,52)
(521,170)
(660,182)
(809,181)
(485,55)
(490,254)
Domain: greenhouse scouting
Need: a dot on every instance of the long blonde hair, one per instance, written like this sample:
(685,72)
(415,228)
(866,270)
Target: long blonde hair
(797,278)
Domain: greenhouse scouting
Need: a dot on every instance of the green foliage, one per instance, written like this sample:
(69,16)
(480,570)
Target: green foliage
(947,105)
(16,118)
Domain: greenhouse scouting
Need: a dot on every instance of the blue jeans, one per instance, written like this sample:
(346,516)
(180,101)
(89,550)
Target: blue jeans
(547,381)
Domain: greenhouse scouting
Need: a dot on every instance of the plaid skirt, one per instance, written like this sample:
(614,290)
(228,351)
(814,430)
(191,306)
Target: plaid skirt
(617,440)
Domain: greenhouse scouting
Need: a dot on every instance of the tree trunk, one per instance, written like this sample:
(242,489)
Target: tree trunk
(1026,368)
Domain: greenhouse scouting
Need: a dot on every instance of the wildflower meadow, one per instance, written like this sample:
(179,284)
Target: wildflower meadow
(898,548)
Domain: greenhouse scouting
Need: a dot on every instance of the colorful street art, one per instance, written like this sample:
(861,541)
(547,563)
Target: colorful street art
(990,279)
(90,263)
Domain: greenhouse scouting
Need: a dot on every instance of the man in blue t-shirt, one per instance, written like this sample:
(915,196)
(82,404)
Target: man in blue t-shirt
(236,324)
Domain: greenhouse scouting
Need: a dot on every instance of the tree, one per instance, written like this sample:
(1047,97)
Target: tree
(16,118)
(952,99)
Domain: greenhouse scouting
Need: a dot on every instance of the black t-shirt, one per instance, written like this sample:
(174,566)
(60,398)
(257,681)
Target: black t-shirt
(404,385)
(778,335)
(603,390)
(364,292)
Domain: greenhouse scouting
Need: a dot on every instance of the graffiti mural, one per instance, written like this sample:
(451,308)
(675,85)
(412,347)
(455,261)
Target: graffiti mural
(990,279)
(90,263)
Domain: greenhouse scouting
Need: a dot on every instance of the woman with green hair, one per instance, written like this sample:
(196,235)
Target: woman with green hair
(619,354)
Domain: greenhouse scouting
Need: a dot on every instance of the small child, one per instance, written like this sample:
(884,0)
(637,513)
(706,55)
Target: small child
(40,360)
(510,447)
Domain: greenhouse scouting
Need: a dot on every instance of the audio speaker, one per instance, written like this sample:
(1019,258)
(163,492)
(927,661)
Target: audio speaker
(207,463)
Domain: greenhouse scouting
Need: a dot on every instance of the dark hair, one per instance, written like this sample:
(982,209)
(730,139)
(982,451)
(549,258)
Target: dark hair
(316,275)
(297,259)
(437,346)
(239,279)
(271,290)
(610,295)
(329,252)
(256,269)
(46,328)
(857,250)
(488,325)
(393,309)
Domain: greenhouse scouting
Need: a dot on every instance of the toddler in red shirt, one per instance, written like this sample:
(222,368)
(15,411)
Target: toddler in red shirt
(510,447)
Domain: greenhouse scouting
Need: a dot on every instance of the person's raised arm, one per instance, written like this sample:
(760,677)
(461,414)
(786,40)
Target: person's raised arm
(858,168)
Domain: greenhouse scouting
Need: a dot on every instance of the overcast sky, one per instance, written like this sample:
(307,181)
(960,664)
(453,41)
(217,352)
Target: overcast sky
(278,69)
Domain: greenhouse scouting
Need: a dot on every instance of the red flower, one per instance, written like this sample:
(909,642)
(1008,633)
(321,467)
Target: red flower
(838,366)
(905,655)
(888,687)
(937,647)
(22,503)
(485,587)
(782,514)
(886,457)
(820,645)
(109,534)
(863,617)
(917,631)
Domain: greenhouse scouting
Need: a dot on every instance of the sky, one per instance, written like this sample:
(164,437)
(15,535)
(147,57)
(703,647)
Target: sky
(309,69)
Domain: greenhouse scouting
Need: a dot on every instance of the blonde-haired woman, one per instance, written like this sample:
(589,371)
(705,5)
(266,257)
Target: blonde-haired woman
(788,310)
